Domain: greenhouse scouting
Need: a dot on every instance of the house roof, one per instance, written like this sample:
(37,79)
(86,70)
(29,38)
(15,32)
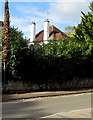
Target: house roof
(54,33)
(39,36)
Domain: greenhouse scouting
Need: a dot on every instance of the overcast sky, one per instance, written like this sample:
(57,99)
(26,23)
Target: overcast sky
(61,13)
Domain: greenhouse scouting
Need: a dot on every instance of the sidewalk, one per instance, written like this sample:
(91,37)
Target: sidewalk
(9,97)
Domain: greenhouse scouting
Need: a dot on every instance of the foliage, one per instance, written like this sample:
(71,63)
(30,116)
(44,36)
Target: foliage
(1,37)
(84,30)
(91,7)
(6,33)
(68,59)
(16,52)
(58,61)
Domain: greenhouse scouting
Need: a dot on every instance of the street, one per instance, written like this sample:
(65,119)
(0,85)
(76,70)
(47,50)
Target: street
(41,107)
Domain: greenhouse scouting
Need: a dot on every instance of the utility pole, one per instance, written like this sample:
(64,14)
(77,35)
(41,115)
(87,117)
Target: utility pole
(6,38)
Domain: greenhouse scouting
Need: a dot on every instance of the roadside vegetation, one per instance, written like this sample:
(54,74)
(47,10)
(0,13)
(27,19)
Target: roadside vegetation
(59,65)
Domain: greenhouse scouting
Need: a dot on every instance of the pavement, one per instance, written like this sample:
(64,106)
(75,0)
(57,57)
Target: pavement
(83,114)
(11,97)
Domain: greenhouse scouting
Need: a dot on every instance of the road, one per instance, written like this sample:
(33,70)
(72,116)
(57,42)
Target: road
(34,109)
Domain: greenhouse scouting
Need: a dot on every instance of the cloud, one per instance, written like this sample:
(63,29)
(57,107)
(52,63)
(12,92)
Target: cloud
(60,13)
(67,12)
(26,17)
(17,20)
(24,24)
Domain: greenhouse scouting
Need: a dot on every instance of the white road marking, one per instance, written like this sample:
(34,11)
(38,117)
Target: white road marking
(80,110)
(60,113)
(51,115)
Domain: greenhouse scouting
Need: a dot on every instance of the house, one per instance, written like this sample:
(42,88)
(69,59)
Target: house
(54,34)
(50,32)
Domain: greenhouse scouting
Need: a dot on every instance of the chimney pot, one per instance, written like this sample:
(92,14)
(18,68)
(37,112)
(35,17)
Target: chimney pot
(32,31)
(46,29)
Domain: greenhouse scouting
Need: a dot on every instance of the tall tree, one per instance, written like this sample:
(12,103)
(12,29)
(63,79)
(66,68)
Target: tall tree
(84,31)
(91,7)
(17,52)
(6,35)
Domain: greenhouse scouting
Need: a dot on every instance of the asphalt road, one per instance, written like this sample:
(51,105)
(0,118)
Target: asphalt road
(34,109)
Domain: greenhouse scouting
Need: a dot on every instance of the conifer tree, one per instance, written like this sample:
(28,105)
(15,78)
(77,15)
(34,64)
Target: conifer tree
(6,35)
(91,7)
(84,30)
(6,31)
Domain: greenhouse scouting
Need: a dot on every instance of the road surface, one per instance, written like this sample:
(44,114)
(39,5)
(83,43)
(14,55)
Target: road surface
(35,109)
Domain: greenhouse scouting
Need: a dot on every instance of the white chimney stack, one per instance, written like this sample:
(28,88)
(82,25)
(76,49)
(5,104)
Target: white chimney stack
(46,29)
(32,31)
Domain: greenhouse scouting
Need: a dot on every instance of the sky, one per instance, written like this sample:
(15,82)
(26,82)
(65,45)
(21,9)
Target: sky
(61,13)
